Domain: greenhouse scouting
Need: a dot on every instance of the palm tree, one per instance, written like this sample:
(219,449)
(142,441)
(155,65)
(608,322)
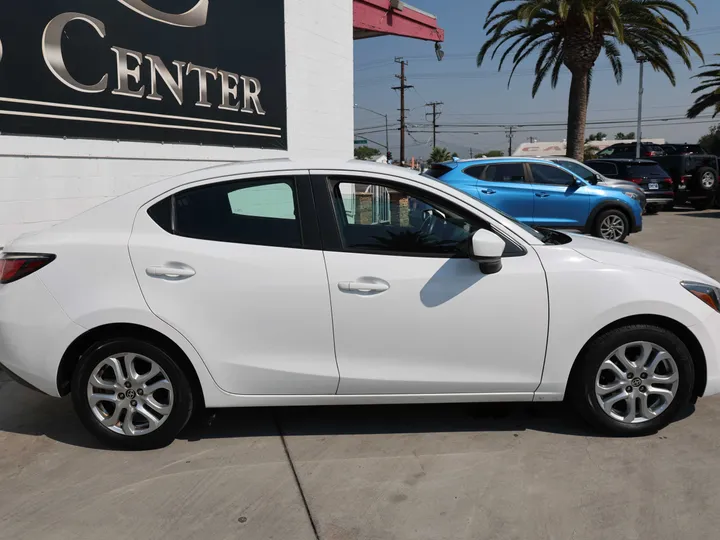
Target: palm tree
(439,155)
(573,33)
(709,99)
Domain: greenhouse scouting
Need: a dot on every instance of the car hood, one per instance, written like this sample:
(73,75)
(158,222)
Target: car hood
(615,254)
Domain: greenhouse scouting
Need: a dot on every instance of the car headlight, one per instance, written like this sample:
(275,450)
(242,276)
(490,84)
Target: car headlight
(632,195)
(707,293)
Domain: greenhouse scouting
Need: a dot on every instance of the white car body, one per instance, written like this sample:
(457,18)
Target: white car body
(273,326)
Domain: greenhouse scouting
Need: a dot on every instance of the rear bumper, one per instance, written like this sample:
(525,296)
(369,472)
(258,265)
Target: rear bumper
(34,334)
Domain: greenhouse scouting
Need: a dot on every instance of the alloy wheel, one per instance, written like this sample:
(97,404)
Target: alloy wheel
(708,180)
(612,228)
(636,382)
(130,394)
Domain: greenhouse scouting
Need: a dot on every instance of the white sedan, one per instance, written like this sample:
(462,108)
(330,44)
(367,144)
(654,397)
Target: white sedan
(281,283)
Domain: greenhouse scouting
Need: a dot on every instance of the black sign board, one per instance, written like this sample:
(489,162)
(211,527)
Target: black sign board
(185,71)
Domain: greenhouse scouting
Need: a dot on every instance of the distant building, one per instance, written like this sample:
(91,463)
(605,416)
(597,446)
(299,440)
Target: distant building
(544,149)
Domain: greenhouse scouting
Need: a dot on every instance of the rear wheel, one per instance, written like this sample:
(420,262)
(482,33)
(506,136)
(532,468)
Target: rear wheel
(611,225)
(633,380)
(131,395)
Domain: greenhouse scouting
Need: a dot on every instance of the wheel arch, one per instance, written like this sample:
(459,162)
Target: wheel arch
(610,205)
(680,330)
(82,343)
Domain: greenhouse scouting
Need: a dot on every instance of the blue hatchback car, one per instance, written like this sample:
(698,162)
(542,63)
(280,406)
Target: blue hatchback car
(541,194)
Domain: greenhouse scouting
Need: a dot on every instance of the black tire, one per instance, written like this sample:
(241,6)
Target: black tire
(581,387)
(597,225)
(701,174)
(652,209)
(176,420)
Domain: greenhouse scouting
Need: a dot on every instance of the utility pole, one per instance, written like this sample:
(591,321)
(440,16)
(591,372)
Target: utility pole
(402,89)
(640,59)
(509,132)
(435,114)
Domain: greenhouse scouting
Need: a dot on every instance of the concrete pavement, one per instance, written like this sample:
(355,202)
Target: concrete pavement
(370,473)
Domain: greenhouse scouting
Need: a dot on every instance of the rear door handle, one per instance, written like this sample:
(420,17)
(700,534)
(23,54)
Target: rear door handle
(171,271)
(488,191)
(369,286)
(542,195)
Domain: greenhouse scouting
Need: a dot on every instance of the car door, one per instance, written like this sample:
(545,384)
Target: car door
(504,186)
(411,313)
(561,198)
(236,267)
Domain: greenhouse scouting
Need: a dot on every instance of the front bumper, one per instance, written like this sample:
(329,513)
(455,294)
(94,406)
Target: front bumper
(708,334)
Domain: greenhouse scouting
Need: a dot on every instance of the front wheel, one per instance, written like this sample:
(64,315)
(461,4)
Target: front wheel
(633,380)
(611,225)
(131,395)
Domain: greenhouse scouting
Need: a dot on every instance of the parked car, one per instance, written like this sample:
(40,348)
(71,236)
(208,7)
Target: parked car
(281,283)
(542,194)
(694,173)
(651,177)
(629,150)
(596,179)
(682,148)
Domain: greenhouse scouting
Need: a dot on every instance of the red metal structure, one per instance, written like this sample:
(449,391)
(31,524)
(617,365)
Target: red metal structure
(372,18)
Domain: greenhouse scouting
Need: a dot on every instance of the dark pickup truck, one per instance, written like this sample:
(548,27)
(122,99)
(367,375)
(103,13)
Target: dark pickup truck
(694,175)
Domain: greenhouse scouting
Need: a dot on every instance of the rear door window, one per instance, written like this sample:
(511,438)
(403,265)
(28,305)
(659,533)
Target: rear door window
(504,172)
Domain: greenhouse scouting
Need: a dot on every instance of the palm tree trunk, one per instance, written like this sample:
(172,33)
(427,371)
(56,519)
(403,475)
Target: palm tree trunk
(577,115)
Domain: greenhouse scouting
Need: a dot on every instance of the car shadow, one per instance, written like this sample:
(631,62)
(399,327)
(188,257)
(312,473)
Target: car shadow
(714,214)
(23,411)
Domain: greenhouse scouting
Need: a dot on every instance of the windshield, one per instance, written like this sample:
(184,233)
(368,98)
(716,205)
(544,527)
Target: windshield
(546,236)
(584,172)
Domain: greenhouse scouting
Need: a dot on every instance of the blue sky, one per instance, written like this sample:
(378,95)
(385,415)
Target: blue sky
(481,95)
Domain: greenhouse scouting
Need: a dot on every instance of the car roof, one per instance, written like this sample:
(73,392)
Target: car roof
(481,161)
(625,160)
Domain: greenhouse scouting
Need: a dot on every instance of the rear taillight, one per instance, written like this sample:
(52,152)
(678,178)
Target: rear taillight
(648,153)
(668,180)
(685,178)
(14,266)
(636,180)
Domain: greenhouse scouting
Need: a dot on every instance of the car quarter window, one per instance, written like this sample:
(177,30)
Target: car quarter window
(385,218)
(476,171)
(259,212)
(503,172)
(547,174)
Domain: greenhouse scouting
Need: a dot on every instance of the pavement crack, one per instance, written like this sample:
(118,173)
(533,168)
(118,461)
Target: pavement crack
(295,475)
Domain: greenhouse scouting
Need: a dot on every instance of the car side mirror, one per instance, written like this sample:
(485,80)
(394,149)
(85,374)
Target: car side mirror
(487,248)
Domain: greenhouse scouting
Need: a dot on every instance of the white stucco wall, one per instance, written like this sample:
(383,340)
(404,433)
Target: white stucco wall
(44,180)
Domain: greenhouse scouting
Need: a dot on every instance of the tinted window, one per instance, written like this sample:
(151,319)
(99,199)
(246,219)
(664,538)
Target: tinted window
(161,213)
(383,219)
(261,212)
(476,172)
(606,169)
(581,170)
(638,170)
(504,172)
(547,174)
(436,171)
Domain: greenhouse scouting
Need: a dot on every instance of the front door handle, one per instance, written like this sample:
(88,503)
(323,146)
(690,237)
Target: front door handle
(542,195)
(171,271)
(488,191)
(364,286)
